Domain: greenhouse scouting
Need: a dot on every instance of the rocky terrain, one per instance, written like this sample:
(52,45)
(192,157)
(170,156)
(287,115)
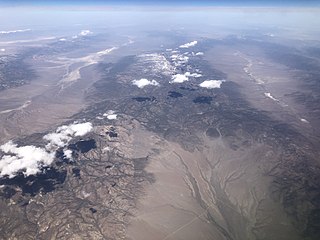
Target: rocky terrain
(196,139)
(14,72)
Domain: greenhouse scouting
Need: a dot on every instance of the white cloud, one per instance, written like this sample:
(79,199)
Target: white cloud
(210,84)
(26,159)
(15,31)
(190,44)
(111,115)
(304,120)
(195,75)
(62,39)
(30,159)
(2,50)
(144,82)
(180,78)
(56,140)
(85,33)
(64,134)
(79,129)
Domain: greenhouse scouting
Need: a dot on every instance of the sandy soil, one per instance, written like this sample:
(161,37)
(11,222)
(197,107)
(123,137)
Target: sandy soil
(211,193)
(266,85)
(44,103)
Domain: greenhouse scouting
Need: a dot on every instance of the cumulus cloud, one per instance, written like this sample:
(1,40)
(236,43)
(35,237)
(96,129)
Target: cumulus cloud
(2,50)
(30,159)
(188,45)
(64,134)
(111,115)
(210,84)
(85,33)
(180,78)
(144,82)
(26,159)
(195,75)
(199,54)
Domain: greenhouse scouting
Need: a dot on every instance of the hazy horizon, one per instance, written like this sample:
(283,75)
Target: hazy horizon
(160,120)
(164,3)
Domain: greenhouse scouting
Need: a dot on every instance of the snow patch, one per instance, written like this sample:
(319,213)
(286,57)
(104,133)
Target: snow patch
(67,153)
(267,94)
(156,63)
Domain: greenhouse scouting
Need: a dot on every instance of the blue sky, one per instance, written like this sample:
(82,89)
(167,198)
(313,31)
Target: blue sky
(165,2)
